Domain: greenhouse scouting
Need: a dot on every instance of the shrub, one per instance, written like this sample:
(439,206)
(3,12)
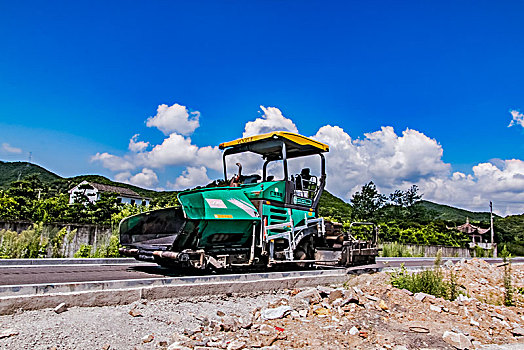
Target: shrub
(508,287)
(431,281)
(109,250)
(396,250)
(29,244)
(84,251)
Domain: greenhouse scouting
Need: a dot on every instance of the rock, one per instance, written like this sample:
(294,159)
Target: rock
(476,344)
(358,290)
(302,313)
(382,305)
(6,333)
(135,313)
(204,321)
(420,296)
(502,323)
(295,314)
(60,308)
(435,308)
(148,338)
(221,313)
(458,330)
(192,331)
(497,315)
(517,331)
(246,324)
(339,302)
(322,311)
(269,340)
(408,292)
(106,347)
(371,297)
(177,346)
(472,322)
(335,294)
(236,345)
(324,291)
(311,296)
(449,264)
(458,340)
(353,331)
(266,329)
(418,329)
(276,313)
(400,347)
(424,296)
(178,338)
(462,298)
(229,324)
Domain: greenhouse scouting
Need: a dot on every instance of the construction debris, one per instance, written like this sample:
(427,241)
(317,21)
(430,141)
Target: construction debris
(364,313)
(60,308)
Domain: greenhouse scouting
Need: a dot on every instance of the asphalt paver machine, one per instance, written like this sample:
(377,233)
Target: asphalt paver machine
(252,220)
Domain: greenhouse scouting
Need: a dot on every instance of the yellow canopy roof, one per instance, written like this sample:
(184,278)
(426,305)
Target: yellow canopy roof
(269,145)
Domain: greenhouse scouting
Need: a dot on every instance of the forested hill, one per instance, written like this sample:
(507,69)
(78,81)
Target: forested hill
(12,171)
(330,205)
(448,213)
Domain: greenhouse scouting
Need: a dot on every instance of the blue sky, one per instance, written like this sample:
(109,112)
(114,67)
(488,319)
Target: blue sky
(81,78)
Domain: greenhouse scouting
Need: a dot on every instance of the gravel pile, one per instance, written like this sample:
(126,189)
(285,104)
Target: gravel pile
(365,313)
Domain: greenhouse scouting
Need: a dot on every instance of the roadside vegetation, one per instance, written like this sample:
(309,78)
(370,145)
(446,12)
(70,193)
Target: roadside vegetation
(431,281)
(29,193)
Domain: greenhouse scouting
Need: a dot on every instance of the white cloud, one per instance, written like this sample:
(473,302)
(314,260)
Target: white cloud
(518,118)
(191,177)
(10,149)
(210,157)
(112,162)
(502,183)
(137,146)
(174,150)
(146,178)
(393,161)
(397,162)
(271,120)
(175,118)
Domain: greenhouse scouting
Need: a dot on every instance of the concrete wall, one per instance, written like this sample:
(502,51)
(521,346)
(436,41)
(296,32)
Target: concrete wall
(431,250)
(94,235)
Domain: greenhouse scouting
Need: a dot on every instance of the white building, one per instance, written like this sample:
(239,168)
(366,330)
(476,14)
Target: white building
(93,191)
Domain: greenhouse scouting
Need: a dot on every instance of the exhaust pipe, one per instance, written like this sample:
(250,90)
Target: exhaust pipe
(126,251)
(165,254)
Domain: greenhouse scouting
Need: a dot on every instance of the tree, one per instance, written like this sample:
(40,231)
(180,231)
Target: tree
(367,202)
(411,196)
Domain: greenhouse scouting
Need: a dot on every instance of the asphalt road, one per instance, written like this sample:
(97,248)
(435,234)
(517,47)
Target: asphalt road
(50,274)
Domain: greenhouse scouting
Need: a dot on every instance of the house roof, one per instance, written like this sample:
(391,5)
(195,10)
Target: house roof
(471,229)
(112,189)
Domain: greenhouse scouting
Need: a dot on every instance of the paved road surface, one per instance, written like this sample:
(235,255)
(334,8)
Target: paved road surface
(48,274)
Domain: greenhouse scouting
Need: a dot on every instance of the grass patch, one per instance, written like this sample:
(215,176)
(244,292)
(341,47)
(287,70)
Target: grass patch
(432,281)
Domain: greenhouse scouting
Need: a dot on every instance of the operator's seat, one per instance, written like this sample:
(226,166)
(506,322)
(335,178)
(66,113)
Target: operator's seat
(302,179)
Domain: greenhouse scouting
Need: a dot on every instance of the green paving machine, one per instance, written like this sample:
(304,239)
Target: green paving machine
(252,220)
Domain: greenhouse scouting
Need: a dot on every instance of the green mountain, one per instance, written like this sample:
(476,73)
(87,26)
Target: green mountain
(334,207)
(330,205)
(446,213)
(12,171)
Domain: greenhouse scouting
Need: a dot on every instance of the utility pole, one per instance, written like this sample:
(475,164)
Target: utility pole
(493,247)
